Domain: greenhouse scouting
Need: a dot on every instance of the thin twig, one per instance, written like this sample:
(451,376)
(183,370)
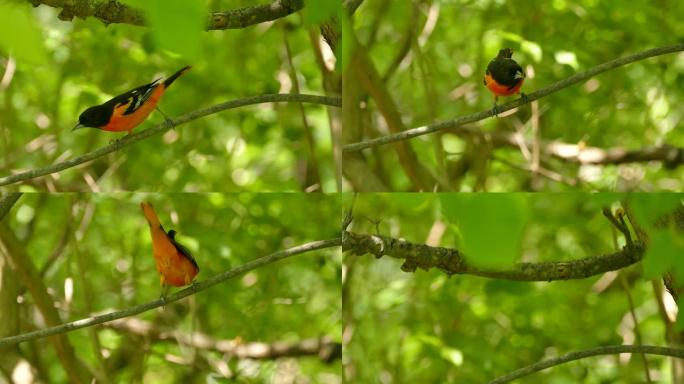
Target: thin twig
(190,290)
(607,350)
(555,87)
(130,139)
(635,320)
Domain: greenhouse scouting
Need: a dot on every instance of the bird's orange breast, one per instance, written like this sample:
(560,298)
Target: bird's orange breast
(120,122)
(174,268)
(499,89)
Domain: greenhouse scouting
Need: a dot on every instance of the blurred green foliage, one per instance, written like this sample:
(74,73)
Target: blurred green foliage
(108,255)
(425,327)
(256,148)
(450,43)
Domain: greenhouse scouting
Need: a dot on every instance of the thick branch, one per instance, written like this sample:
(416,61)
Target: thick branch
(190,290)
(324,347)
(607,350)
(130,139)
(555,87)
(115,12)
(7,200)
(452,261)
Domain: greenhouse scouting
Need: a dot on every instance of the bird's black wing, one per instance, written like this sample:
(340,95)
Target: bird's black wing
(135,97)
(181,249)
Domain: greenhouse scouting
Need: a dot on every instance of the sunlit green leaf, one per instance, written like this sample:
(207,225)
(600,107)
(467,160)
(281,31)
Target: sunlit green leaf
(20,36)
(491,225)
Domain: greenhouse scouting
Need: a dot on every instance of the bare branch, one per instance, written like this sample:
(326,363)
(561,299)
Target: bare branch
(452,261)
(555,87)
(160,128)
(115,12)
(607,350)
(190,290)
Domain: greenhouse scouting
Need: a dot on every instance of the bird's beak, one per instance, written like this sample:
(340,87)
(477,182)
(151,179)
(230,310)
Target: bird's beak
(78,126)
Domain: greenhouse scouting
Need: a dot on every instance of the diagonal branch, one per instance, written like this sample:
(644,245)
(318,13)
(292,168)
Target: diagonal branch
(607,350)
(452,261)
(190,290)
(115,12)
(555,87)
(134,138)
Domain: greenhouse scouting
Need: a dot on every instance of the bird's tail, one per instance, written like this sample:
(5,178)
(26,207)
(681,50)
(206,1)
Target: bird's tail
(150,215)
(173,77)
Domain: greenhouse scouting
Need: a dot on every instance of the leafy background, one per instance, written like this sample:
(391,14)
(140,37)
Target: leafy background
(108,256)
(446,46)
(425,327)
(64,67)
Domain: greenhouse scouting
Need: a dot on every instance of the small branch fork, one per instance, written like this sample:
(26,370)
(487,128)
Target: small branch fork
(452,261)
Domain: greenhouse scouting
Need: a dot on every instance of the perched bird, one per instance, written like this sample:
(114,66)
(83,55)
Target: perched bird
(128,110)
(504,76)
(175,264)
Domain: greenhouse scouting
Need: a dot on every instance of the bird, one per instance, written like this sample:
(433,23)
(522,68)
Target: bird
(175,264)
(128,110)
(504,77)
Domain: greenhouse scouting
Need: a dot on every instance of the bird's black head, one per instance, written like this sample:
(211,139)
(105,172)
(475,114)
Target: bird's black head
(505,53)
(93,117)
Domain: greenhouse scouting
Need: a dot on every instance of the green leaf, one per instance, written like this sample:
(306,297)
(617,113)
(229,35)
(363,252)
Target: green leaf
(660,256)
(177,25)
(317,11)
(504,287)
(568,58)
(20,36)
(649,207)
(492,225)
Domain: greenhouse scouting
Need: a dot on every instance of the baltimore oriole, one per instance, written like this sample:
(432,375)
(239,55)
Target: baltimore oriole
(504,76)
(175,264)
(128,110)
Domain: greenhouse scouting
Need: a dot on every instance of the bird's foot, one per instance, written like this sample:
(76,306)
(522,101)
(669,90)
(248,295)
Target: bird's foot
(524,98)
(495,110)
(163,300)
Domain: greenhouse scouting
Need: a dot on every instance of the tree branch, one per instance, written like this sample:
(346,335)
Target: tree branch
(452,261)
(190,290)
(115,12)
(671,156)
(7,200)
(555,87)
(607,350)
(130,139)
(323,347)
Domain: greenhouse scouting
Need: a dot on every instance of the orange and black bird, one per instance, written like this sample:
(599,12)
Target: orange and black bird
(175,264)
(128,110)
(504,76)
